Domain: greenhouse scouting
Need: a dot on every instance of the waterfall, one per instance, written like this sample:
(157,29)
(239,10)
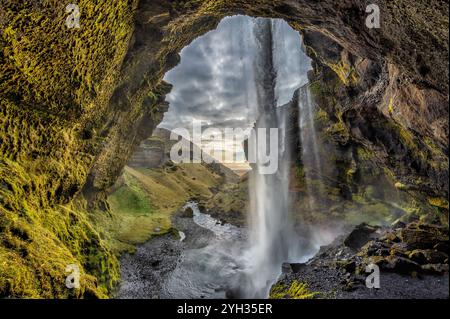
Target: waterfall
(310,154)
(272,237)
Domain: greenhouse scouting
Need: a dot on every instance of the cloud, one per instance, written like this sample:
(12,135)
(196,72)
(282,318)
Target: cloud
(214,80)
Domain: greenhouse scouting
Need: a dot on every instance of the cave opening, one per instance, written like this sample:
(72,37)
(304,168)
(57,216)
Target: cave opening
(248,73)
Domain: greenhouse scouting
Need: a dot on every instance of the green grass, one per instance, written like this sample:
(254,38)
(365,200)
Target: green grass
(144,201)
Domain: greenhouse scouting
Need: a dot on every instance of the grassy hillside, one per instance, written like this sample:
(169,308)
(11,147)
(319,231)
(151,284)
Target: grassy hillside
(144,200)
(230,203)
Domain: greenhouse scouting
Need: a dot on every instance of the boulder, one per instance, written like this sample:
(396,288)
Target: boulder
(435,268)
(187,213)
(399,265)
(288,268)
(360,236)
(422,236)
(428,256)
(442,246)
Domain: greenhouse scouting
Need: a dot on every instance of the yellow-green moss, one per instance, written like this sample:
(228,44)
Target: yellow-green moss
(400,186)
(338,128)
(391,106)
(345,72)
(55,84)
(297,290)
(39,240)
(438,202)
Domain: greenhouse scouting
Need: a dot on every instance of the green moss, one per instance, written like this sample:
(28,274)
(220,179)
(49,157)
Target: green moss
(365,154)
(438,202)
(38,241)
(316,88)
(321,117)
(229,204)
(297,290)
(391,106)
(55,85)
(345,72)
(377,212)
(338,131)
(131,199)
(400,186)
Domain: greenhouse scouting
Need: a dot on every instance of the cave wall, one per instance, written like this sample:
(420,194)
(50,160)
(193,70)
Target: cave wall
(380,161)
(75,102)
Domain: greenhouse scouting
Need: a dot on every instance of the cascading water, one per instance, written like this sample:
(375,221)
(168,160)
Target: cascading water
(232,266)
(310,154)
(272,237)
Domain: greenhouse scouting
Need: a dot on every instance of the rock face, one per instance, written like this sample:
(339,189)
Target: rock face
(359,236)
(339,269)
(74,104)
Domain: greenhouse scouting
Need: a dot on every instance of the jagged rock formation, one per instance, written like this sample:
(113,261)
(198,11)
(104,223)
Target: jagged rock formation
(74,103)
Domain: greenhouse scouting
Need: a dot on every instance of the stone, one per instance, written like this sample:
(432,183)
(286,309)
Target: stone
(398,224)
(400,265)
(422,237)
(442,246)
(418,256)
(435,268)
(287,268)
(187,213)
(428,256)
(350,266)
(359,236)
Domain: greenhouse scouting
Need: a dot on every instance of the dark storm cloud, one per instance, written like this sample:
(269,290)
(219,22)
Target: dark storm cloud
(214,81)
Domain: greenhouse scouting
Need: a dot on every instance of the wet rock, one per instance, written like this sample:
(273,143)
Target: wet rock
(435,268)
(350,286)
(187,213)
(428,256)
(399,265)
(398,224)
(288,268)
(202,208)
(390,237)
(350,266)
(360,236)
(375,248)
(418,256)
(399,249)
(422,236)
(442,246)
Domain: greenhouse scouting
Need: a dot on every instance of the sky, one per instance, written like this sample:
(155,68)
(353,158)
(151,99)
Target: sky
(213,83)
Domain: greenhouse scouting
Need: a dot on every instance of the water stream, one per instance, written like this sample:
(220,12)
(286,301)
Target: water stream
(206,271)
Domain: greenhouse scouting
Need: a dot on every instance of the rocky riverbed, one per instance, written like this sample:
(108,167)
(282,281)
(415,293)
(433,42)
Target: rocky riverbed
(197,260)
(203,258)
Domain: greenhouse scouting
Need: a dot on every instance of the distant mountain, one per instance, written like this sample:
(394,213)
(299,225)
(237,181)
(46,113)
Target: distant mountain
(154,152)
